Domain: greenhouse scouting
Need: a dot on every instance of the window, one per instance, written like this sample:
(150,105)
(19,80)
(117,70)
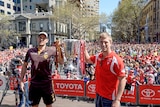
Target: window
(49,26)
(19,9)
(60,27)
(8,12)
(59,3)
(15,26)
(2,11)
(41,26)
(1,3)
(22,26)
(18,1)
(14,1)
(14,8)
(30,7)
(8,6)
(33,26)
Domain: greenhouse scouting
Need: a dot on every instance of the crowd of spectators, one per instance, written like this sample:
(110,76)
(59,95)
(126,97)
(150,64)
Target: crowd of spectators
(142,61)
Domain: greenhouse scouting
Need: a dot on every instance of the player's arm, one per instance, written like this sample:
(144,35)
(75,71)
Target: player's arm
(121,75)
(87,57)
(24,69)
(121,87)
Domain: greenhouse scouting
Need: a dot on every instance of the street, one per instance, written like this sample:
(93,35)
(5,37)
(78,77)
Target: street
(9,101)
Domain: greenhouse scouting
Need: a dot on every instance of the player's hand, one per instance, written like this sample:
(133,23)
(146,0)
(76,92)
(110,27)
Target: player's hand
(22,86)
(116,103)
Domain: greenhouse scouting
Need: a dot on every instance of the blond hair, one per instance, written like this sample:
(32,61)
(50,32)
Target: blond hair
(105,35)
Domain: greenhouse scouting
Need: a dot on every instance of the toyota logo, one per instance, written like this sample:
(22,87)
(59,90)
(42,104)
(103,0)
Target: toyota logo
(1,82)
(148,93)
(92,87)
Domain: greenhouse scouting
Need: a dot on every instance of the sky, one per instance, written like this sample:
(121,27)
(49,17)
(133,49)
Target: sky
(108,6)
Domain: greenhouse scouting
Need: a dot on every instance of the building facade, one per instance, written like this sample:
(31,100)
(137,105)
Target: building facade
(7,7)
(150,23)
(91,7)
(29,17)
(34,16)
(29,25)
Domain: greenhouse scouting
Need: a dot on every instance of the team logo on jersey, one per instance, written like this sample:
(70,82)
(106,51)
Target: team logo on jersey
(123,71)
(45,55)
(109,60)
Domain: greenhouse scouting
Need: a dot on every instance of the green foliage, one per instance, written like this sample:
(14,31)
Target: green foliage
(7,35)
(125,19)
(103,18)
(80,23)
(64,11)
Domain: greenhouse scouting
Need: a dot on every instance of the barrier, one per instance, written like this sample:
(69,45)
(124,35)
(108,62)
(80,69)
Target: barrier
(91,89)
(2,82)
(13,84)
(149,94)
(69,87)
(130,96)
(142,94)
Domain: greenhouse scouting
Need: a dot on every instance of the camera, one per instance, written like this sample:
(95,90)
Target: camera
(14,64)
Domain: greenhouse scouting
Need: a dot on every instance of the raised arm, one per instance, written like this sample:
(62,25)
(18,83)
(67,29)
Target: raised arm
(87,56)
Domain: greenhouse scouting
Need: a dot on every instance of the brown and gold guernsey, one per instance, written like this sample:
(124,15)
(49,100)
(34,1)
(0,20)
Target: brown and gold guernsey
(41,67)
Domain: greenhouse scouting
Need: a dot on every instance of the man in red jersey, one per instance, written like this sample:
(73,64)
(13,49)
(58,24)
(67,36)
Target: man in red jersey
(109,72)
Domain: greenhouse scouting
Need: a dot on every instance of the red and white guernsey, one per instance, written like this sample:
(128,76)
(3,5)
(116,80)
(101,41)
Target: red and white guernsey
(107,72)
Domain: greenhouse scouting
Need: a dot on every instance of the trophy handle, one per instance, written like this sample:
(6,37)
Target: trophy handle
(59,54)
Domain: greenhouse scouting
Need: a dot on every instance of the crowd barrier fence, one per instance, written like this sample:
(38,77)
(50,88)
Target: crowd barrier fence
(139,95)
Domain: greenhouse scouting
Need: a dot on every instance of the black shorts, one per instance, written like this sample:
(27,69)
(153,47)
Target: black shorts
(35,94)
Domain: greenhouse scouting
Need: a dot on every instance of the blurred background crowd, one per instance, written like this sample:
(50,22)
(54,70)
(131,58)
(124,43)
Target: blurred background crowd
(142,62)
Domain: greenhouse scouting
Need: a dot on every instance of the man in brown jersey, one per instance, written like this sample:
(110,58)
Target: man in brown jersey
(41,78)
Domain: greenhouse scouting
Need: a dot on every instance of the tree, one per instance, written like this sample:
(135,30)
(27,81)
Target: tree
(106,20)
(103,18)
(7,35)
(72,15)
(125,19)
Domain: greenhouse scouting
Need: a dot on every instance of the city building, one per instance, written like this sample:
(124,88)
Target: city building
(91,7)
(29,25)
(7,7)
(33,16)
(29,17)
(150,23)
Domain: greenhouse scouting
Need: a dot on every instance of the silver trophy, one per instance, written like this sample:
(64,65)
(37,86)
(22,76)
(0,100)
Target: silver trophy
(72,54)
